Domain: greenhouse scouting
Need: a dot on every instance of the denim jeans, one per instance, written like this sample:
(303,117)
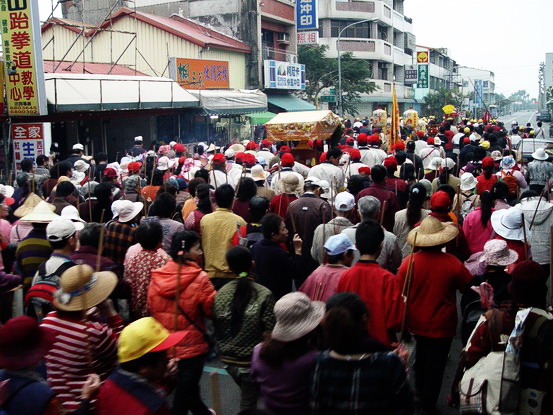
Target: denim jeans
(249,391)
(187,393)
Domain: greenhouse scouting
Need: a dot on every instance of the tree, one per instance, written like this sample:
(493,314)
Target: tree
(436,100)
(322,72)
(502,103)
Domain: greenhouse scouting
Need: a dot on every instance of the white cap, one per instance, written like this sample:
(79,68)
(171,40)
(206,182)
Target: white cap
(344,202)
(437,141)
(78,146)
(448,163)
(70,212)
(163,163)
(313,180)
(229,153)
(172,144)
(338,244)
(128,210)
(138,138)
(60,229)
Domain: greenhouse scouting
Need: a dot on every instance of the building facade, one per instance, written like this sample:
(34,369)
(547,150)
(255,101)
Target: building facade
(479,86)
(386,43)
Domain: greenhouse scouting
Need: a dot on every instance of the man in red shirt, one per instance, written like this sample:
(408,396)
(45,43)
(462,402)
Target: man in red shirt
(375,285)
(388,199)
(432,304)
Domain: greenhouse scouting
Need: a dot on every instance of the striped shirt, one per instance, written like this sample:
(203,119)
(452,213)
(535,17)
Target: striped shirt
(31,252)
(67,362)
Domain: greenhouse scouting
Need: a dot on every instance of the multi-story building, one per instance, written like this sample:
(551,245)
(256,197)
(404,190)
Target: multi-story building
(479,86)
(386,43)
(268,27)
(442,69)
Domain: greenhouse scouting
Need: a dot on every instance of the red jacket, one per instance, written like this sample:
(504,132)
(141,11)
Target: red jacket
(432,307)
(196,296)
(485,184)
(378,289)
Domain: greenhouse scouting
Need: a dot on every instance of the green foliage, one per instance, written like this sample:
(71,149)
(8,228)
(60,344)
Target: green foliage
(502,102)
(322,72)
(436,100)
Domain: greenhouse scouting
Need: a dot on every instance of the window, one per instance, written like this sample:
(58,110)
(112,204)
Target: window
(383,71)
(465,84)
(362,30)
(485,84)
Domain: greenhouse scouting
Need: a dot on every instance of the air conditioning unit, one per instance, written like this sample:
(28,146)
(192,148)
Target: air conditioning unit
(283,38)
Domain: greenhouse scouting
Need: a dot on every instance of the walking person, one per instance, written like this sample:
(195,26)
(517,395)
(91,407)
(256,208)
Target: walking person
(180,297)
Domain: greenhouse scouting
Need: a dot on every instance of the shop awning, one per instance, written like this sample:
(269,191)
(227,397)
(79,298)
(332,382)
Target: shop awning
(83,92)
(231,102)
(290,103)
(261,117)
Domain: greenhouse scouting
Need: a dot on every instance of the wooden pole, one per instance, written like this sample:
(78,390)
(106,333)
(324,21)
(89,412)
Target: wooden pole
(537,207)
(525,239)
(382,211)
(215,395)
(407,286)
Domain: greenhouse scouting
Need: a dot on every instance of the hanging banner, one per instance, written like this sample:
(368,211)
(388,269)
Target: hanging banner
(306,15)
(423,76)
(28,142)
(22,47)
(199,73)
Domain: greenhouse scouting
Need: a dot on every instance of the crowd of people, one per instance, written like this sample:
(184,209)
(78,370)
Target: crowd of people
(306,282)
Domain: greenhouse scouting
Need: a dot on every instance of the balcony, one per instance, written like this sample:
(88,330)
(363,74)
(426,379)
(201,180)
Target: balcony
(279,55)
(374,49)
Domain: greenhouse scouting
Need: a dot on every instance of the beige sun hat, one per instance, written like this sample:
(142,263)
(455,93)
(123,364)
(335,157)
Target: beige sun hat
(81,288)
(432,232)
(42,213)
(289,184)
(258,173)
(237,148)
(296,315)
(29,204)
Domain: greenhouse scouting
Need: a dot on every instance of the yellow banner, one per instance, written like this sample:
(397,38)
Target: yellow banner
(2,109)
(23,57)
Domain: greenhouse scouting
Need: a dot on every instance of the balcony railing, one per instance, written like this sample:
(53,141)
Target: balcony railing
(279,55)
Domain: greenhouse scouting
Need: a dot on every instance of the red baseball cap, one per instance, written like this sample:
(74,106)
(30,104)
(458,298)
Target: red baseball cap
(318,144)
(249,159)
(182,160)
(420,134)
(430,141)
(109,172)
(251,145)
(322,159)
(355,154)
(440,199)
(390,162)
(285,149)
(218,158)
(350,140)
(179,148)
(399,146)
(310,143)
(466,140)
(266,143)
(375,138)
(362,138)
(487,162)
(287,160)
(134,166)
(364,170)
(239,156)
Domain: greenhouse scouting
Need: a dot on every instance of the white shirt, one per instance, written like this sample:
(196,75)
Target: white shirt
(218,177)
(331,173)
(278,176)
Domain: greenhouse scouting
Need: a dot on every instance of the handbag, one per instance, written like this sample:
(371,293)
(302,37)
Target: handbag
(211,343)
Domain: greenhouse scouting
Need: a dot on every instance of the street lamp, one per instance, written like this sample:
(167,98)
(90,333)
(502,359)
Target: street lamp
(340,107)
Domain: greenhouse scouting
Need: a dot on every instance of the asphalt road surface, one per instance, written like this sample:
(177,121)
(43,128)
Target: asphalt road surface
(522,118)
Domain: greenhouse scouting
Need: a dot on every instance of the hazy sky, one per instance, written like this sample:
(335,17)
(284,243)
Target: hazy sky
(508,37)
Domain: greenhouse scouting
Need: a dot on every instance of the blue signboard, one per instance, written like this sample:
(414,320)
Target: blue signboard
(306,15)
(478,93)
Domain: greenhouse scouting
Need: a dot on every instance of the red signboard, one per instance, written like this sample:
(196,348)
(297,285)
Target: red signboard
(28,142)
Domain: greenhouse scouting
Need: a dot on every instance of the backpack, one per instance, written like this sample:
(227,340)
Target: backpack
(512,184)
(40,297)
(467,205)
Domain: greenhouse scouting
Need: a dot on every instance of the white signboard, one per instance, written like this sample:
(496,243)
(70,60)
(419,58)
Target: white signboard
(308,37)
(284,75)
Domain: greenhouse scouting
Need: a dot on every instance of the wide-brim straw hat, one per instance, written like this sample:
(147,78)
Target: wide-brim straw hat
(296,315)
(540,154)
(497,253)
(29,204)
(237,148)
(81,288)
(432,232)
(42,213)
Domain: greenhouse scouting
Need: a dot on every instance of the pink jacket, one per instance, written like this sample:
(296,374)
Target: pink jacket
(476,234)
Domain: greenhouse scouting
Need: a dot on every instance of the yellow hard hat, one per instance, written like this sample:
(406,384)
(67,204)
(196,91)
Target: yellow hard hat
(143,336)
(466,130)
(532,132)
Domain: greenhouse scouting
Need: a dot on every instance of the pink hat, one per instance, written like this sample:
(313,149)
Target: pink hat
(497,253)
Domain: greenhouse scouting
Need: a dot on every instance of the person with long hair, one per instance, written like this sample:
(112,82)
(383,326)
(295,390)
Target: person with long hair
(487,179)
(477,226)
(242,312)
(407,219)
(245,191)
(283,363)
(500,192)
(357,374)
(203,194)
(180,297)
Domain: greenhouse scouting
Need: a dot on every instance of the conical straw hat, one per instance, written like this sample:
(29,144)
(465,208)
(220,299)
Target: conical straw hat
(29,204)
(42,213)
(432,232)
